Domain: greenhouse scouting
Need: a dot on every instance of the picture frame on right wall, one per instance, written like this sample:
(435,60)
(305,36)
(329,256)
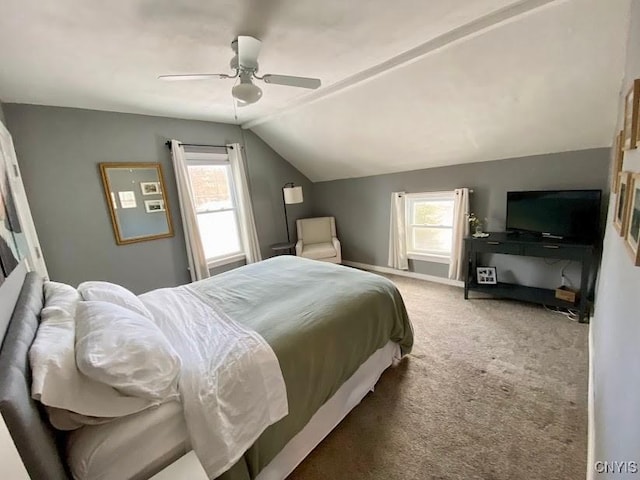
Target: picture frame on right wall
(618,158)
(631,107)
(622,202)
(632,231)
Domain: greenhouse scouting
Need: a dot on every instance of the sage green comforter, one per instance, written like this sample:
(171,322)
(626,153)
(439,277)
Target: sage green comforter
(322,322)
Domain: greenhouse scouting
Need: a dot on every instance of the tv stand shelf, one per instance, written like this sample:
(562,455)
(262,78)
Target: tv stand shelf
(503,243)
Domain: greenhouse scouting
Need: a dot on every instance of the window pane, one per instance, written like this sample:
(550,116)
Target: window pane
(210,185)
(433,212)
(219,233)
(433,240)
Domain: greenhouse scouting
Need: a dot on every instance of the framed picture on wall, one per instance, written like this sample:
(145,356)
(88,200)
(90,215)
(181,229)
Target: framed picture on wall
(150,188)
(618,158)
(632,232)
(151,206)
(622,202)
(631,107)
(127,199)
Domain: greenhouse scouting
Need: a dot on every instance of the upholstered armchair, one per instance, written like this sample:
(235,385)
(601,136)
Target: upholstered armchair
(317,239)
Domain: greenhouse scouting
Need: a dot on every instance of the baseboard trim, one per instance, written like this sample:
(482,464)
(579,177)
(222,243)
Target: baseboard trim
(404,273)
(591,415)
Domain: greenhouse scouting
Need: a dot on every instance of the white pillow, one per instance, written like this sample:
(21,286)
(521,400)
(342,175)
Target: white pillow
(121,348)
(61,296)
(112,293)
(56,380)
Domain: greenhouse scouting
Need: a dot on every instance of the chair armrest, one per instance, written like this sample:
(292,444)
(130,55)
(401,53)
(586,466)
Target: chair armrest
(299,246)
(336,245)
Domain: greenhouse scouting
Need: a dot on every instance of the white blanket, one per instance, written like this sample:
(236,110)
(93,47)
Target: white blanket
(230,385)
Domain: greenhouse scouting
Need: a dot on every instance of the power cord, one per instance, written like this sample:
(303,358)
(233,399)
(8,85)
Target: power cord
(563,278)
(567,312)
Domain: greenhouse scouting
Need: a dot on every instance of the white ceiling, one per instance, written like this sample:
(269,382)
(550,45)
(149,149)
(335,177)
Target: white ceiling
(544,81)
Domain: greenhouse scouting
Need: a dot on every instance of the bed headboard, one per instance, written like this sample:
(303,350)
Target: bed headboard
(40,446)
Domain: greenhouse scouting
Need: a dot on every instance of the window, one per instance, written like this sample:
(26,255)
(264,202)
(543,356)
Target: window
(214,198)
(429,218)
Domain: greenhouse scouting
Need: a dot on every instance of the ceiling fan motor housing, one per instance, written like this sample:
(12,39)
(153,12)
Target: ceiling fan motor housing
(248,64)
(235,65)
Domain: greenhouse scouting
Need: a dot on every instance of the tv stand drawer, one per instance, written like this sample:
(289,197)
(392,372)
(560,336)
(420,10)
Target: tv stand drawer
(494,246)
(552,250)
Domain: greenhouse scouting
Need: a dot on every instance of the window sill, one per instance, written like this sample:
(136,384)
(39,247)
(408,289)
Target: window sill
(424,257)
(219,262)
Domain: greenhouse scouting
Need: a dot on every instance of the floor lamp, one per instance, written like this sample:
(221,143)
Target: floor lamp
(290,195)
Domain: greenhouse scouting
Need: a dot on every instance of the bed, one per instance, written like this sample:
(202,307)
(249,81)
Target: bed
(333,329)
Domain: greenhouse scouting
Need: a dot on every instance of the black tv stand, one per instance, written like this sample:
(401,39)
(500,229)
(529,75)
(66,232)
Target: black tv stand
(532,246)
(552,237)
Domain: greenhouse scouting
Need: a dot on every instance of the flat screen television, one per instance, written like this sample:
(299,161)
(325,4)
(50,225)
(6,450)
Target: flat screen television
(569,214)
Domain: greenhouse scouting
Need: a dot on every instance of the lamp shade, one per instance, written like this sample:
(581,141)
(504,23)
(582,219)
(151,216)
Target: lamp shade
(293,195)
(246,92)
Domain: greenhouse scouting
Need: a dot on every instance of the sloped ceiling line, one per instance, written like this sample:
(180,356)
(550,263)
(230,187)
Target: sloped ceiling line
(545,82)
(466,31)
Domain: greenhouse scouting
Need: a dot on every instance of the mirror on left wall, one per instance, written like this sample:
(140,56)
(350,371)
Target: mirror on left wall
(136,196)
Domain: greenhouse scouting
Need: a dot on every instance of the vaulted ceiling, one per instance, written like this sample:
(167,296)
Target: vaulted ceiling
(406,85)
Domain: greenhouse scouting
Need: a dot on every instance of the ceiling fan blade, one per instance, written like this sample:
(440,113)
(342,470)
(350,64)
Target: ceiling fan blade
(248,51)
(289,81)
(196,76)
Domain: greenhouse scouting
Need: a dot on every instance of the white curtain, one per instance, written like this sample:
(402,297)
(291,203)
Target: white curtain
(198,267)
(398,233)
(460,230)
(248,230)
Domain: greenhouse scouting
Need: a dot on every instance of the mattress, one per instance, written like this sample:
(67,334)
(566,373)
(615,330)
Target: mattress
(138,446)
(133,447)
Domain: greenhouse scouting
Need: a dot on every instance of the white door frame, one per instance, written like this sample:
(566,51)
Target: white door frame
(34,257)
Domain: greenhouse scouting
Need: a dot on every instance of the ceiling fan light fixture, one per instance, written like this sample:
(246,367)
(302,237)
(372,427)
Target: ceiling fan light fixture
(246,92)
(245,64)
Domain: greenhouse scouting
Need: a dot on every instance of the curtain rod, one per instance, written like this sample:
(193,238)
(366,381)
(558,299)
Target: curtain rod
(168,144)
(413,193)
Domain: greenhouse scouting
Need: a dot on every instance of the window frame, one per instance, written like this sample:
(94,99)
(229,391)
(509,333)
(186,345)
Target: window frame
(410,200)
(217,159)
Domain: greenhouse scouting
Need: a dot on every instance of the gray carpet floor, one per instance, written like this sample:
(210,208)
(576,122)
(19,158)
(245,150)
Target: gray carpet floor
(493,390)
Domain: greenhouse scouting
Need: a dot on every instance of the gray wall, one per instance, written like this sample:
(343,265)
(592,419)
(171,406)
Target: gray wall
(59,150)
(2,120)
(268,172)
(616,328)
(361,205)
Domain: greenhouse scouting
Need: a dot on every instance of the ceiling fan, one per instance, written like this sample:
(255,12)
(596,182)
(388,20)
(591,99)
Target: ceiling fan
(245,64)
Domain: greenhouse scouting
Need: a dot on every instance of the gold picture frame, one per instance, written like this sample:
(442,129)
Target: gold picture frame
(131,222)
(622,202)
(618,159)
(631,107)
(632,231)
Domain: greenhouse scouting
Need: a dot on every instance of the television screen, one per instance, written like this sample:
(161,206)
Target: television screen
(570,214)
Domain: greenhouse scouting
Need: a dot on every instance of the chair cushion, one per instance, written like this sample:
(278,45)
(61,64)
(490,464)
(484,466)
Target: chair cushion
(318,251)
(316,230)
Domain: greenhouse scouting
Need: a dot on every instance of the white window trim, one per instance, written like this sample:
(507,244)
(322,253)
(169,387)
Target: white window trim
(422,256)
(193,158)
(221,261)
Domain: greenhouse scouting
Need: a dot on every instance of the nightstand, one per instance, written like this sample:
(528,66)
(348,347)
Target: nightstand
(285,248)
